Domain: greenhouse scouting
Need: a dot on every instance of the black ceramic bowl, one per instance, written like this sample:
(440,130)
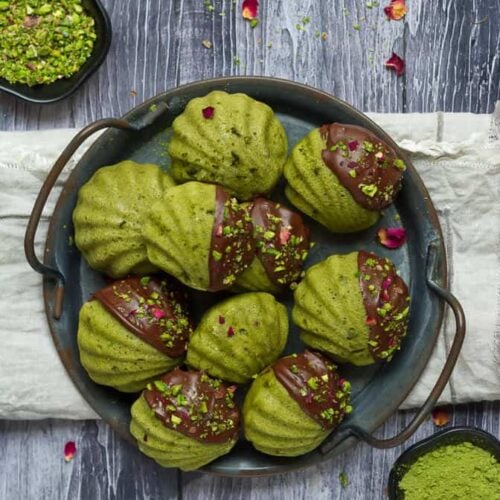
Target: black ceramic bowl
(454,435)
(63,88)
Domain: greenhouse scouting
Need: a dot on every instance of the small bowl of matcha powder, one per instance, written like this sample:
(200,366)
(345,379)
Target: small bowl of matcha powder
(45,42)
(455,464)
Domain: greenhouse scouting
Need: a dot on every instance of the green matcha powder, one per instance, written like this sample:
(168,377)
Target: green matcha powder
(461,471)
(42,41)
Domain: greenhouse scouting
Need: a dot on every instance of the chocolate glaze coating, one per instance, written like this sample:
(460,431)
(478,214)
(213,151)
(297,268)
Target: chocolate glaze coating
(387,304)
(364,164)
(152,309)
(196,405)
(282,240)
(313,382)
(232,246)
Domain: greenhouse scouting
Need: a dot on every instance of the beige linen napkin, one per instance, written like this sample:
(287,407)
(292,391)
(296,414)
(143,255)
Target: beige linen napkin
(458,157)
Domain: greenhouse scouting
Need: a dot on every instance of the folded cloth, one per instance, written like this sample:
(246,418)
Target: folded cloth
(458,157)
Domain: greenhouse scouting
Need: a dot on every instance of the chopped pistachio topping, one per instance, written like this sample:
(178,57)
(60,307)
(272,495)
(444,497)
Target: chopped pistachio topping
(42,41)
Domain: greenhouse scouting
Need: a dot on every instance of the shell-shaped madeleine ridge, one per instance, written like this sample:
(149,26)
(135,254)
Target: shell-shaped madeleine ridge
(108,223)
(255,278)
(178,233)
(317,192)
(242,146)
(275,423)
(168,447)
(115,357)
(239,337)
(329,310)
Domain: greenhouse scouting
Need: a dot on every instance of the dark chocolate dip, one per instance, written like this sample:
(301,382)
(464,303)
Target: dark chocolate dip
(232,246)
(282,240)
(386,301)
(313,382)
(152,309)
(196,405)
(364,164)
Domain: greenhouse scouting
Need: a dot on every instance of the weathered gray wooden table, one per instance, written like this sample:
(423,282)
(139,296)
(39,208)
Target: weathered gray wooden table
(452,52)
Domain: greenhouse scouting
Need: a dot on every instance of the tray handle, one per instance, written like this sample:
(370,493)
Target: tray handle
(433,258)
(61,162)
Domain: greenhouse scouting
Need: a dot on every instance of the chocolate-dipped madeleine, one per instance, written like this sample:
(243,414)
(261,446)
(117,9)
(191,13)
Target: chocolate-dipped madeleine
(239,337)
(110,213)
(133,330)
(342,176)
(282,244)
(185,419)
(354,307)
(200,235)
(293,405)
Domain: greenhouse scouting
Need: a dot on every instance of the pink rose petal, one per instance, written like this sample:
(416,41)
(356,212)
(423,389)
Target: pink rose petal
(396,63)
(370,321)
(440,416)
(352,145)
(396,10)
(208,112)
(386,283)
(158,313)
(250,9)
(69,451)
(284,236)
(392,237)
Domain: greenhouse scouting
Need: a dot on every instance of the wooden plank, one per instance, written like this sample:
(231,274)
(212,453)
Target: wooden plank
(453,55)
(157,45)
(32,464)
(367,469)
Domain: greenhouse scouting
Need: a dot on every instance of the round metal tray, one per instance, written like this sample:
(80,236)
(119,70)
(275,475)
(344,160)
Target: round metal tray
(142,135)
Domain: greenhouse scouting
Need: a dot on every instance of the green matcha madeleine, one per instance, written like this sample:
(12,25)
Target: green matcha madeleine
(295,404)
(200,235)
(110,213)
(282,244)
(343,176)
(239,337)
(231,140)
(353,307)
(133,330)
(185,419)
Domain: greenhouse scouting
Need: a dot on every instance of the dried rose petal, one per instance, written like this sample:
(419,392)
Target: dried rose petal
(208,112)
(284,236)
(69,451)
(386,283)
(158,313)
(230,331)
(396,10)
(352,145)
(250,9)
(392,237)
(222,320)
(440,416)
(370,321)
(395,63)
